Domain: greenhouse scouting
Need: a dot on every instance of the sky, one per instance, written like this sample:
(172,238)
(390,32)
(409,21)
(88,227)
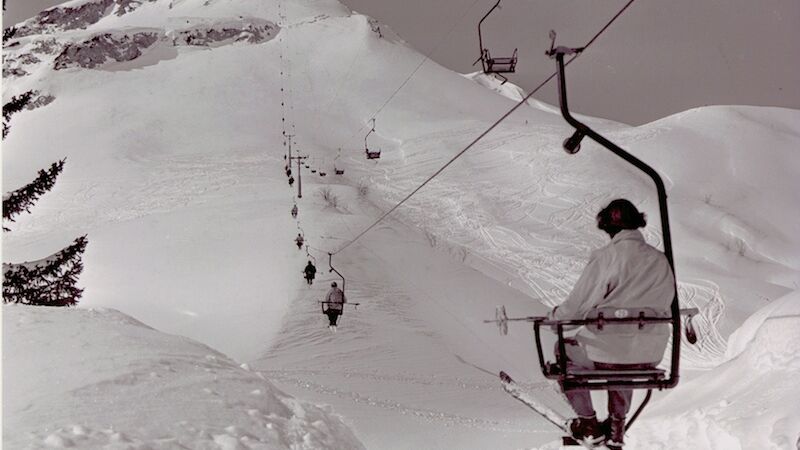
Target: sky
(659,58)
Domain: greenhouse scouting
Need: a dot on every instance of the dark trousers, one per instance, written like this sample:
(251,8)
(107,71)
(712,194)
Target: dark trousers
(619,400)
(333,315)
(309,279)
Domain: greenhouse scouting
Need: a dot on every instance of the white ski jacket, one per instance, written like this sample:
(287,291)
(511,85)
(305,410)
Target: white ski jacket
(624,277)
(336,298)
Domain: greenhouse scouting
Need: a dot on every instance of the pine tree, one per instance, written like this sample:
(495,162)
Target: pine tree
(14,106)
(48,282)
(22,199)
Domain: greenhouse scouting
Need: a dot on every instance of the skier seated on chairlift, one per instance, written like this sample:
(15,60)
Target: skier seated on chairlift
(626,273)
(299,241)
(335,301)
(294,211)
(310,271)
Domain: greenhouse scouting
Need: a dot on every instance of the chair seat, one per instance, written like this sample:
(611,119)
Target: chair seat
(501,65)
(617,374)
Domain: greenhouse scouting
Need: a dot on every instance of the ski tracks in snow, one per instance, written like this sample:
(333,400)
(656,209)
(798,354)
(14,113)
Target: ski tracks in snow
(541,231)
(303,379)
(709,351)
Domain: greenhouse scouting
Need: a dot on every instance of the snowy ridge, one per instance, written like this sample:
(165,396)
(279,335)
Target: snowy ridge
(512,91)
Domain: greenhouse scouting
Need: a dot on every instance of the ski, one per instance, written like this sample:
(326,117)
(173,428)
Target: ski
(510,386)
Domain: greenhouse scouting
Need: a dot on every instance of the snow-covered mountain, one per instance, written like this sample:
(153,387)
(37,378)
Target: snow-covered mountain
(171,115)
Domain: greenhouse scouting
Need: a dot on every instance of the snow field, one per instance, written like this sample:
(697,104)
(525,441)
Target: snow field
(96,378)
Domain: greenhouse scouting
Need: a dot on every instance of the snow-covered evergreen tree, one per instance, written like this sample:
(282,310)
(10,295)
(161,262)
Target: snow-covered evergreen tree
(50,281)
(16,105)
(22,199)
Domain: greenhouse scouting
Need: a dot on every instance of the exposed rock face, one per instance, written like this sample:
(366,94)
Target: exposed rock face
(63,18)
(126,6)
(252,31)
(104,47)
(40,100)
(9,72)
(20,60)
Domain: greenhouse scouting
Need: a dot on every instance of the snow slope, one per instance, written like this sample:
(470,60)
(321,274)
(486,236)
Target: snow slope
(747,402)
(175,170)
(96,378)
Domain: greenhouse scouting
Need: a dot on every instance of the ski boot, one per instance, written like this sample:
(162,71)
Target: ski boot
(614,431)
(586,430)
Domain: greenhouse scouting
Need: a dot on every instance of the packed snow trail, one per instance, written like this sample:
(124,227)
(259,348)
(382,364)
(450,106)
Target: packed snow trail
(413,366)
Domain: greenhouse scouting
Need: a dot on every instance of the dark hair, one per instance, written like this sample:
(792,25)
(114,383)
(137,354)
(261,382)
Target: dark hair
(620,214)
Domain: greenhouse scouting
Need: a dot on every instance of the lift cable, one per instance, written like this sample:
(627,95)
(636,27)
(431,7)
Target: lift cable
(482,135)
(419,66)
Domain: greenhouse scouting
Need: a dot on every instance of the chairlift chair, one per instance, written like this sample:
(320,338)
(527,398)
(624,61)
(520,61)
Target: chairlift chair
(337,170)
(371,154)
(344,282)
(572,378)
(641,377)
(496,65)
(322,174)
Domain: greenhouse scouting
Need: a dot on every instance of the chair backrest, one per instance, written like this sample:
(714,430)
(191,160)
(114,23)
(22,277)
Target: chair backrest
(630,314)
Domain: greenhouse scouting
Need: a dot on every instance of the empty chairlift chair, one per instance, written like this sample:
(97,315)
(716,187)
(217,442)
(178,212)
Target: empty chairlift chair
(495,65)
(371,154)
(337,170)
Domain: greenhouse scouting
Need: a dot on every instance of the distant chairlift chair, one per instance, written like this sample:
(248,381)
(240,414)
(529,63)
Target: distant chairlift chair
(371,154)
(498,65)
(337,170)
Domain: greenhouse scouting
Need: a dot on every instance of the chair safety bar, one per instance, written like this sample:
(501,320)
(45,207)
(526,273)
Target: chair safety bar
(583,379)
